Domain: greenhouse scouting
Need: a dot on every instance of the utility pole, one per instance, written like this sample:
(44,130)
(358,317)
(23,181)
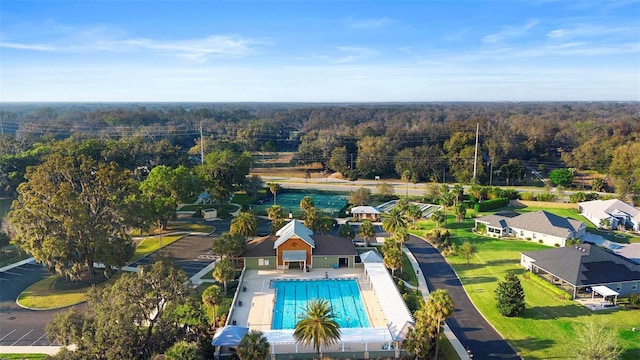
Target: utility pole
(201,144)
(475,157)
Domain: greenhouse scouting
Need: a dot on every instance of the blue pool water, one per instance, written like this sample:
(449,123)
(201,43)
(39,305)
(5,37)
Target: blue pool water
(343,294)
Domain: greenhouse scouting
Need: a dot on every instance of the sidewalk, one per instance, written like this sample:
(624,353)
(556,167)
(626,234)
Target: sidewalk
(422,286)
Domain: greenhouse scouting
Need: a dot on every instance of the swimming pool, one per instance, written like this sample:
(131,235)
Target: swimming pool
(343,294)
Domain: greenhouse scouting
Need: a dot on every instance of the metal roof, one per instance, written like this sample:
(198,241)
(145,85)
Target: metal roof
(294,229)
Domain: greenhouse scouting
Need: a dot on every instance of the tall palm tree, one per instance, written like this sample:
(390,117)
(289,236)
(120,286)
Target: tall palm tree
(406,176)
(306,203)
(367,231)
(212,296)
(245,223)
(393,220)
(392,258)
(274,188)
(253,346)
(439,308)
(458,192)
(414,213)
(317,326)
(224,271)
(275,212)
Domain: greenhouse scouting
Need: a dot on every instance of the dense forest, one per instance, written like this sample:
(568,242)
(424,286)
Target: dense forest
(419,142)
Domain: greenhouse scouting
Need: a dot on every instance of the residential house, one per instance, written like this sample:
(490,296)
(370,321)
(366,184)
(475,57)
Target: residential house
(539,226)
(366,212)
(618,214)
(583,267)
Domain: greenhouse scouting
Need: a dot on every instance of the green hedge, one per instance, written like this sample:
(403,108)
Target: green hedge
(544,283)
(491,204)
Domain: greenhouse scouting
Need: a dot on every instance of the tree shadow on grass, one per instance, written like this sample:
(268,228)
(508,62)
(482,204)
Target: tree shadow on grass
(502,262)
(533,344)
(554,312)
(478,280)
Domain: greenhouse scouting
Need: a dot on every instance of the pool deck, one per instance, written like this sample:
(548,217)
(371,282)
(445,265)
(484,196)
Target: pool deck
(258,299)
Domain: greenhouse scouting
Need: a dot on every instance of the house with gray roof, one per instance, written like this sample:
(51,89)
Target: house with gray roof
(366,212)
(295,246)
(583,267)
(540,226)
(618,214)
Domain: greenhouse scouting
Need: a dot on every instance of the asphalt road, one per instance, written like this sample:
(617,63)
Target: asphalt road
(467,324)
(18,326)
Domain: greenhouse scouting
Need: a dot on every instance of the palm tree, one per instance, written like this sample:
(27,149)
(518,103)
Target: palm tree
(212,296)
(406,176)
(414,213)
(458,192)
(253,346)
(306,203)
(274,188)
(275,212)
(461,212)
(393,220)
(224,271)
(439,308)
(367,231)
(392,258)
(317,326)
(437,217)
(245,223)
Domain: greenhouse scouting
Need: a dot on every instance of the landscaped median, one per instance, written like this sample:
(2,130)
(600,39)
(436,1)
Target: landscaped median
(49,293)
(55,292)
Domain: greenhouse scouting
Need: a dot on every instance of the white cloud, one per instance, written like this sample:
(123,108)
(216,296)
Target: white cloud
(372,23)
(353,54)
(198,49)
(509,32)
(585,30)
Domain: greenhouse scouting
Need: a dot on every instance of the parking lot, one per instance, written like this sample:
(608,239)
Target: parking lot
(18,326)
(191,254)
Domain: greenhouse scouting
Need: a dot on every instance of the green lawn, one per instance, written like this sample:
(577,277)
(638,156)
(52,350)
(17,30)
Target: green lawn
(546,328)
(153,243)
(54,292)
(23,356)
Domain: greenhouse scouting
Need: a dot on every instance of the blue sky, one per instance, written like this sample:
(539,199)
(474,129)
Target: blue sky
(319,51)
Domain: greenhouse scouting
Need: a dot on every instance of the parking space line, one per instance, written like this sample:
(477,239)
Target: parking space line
(40,338)
(12,331)
(10,273)
(23,336)
(3,279)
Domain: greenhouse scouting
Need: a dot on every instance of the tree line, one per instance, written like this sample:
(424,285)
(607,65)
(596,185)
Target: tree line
(433,142)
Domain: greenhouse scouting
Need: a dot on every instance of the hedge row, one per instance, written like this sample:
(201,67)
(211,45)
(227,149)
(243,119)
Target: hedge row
(491,204)
(544,283)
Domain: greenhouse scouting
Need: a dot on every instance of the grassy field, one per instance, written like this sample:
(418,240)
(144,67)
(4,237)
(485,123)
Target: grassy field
(46,295)
(546,328)
(23,356)
(154,243)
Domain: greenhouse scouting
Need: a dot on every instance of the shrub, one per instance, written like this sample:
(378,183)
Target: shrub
(546,197)
(545,284)
(491,204)
(634,299)
(556,245)
(528,196)
(540,241)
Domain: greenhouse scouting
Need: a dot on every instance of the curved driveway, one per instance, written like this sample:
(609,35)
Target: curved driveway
(473,331)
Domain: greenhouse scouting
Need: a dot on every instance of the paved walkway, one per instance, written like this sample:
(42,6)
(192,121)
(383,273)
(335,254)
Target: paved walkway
(467,324)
